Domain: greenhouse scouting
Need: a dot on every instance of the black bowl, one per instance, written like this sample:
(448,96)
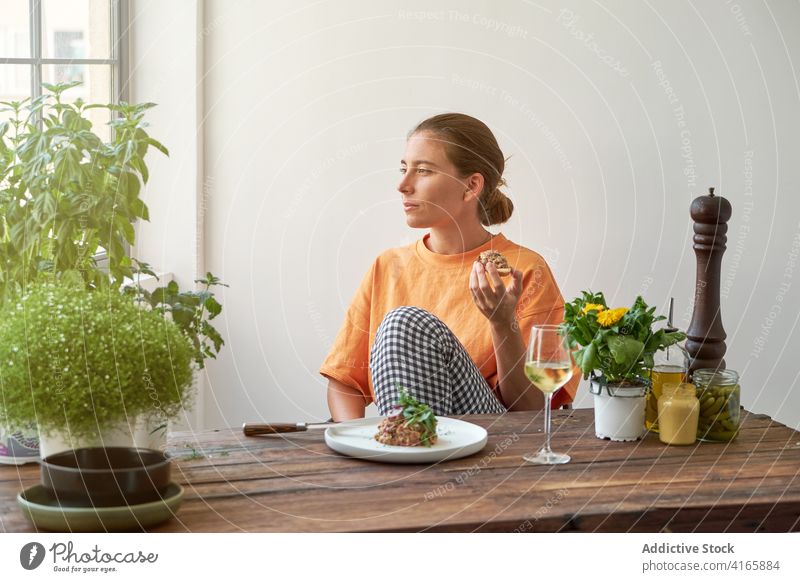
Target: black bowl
(106,476)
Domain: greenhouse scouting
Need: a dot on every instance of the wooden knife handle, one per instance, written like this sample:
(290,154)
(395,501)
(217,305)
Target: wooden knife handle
(272,428)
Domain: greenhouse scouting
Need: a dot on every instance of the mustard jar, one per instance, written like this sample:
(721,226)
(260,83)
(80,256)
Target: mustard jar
(678,413)
(670,365)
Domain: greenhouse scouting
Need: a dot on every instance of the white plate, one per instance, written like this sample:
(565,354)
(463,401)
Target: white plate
(356,438)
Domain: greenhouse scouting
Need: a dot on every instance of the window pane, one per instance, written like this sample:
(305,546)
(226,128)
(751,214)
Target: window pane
(76,29)
(15,40)
(95,87)
(15,85)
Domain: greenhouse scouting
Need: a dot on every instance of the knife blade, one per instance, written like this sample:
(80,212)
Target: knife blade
(258,429)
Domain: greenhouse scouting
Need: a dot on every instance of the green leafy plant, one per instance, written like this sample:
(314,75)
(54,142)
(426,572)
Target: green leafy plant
(64,193)
(192,311)
(77,361)
(417,414)
(619,343)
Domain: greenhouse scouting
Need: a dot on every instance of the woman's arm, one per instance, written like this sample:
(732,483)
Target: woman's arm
(499,305)
(345,402)
(509,348)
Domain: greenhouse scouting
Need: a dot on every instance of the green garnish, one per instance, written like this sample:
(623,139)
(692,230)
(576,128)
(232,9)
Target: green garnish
(417,414)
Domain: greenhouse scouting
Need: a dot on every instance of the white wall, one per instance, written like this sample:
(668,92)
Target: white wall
(616,116)
(166,68)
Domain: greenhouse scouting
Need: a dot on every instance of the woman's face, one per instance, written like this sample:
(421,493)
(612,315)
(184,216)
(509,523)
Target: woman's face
(433,194)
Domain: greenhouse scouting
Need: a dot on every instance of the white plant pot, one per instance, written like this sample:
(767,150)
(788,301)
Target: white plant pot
(136,432)
(619,417)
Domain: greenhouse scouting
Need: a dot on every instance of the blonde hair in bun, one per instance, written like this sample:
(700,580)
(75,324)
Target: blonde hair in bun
(496,207)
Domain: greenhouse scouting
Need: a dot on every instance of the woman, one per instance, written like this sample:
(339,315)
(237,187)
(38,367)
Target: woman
(428,316)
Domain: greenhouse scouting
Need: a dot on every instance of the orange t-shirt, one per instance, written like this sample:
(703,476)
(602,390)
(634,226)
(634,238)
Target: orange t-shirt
(414,275)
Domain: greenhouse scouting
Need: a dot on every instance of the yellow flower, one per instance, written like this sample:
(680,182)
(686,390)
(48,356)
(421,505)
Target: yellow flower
(611,316)
(592,307)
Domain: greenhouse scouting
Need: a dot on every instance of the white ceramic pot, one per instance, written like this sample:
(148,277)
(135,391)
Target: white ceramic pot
(136,432)
(618,413)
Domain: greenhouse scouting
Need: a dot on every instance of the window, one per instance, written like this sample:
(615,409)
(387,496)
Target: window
(57,41)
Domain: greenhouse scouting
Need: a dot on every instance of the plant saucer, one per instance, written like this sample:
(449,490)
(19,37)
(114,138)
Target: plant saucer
(44,511)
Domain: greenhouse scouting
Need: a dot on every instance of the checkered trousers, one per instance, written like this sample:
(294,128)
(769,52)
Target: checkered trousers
(415,349)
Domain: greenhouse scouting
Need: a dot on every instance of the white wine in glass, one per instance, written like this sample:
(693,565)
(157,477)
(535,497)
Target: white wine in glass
(548,366)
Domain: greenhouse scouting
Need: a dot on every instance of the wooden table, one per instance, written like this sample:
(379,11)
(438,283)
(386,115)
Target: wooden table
(295,483)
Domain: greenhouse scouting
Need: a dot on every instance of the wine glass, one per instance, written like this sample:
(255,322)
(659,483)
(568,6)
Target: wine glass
(548,366)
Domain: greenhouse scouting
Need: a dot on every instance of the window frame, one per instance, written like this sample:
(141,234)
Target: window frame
(118,59)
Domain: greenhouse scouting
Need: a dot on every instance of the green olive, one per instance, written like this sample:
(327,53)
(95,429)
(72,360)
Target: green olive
(721,435)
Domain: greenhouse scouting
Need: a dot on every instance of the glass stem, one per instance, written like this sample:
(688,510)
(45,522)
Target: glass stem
(547,398)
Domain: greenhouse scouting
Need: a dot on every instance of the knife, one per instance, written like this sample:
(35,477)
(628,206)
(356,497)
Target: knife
(255,429)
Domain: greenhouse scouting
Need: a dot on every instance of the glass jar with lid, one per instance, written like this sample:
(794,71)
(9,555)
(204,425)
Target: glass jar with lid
(678,413)
(670,366)
(719,393)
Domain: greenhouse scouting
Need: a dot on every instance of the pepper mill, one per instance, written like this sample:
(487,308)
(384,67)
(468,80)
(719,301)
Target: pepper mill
(706,336)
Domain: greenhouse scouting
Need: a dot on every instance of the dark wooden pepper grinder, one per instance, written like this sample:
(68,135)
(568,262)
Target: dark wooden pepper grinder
(706,337)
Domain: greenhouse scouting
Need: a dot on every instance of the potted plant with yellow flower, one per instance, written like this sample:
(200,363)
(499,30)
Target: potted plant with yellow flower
(614,350)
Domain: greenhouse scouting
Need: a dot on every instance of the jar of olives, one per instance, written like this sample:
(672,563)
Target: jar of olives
(718,392)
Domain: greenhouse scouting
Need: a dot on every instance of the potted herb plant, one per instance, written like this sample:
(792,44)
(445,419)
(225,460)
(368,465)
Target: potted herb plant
(615,349)
(191,312)
(84,366)
(66,195)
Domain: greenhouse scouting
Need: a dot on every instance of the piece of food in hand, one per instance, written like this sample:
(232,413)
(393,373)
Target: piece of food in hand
(499,261)
(409,424)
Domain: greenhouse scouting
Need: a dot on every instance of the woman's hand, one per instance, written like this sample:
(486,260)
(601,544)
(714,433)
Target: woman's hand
(496,302)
